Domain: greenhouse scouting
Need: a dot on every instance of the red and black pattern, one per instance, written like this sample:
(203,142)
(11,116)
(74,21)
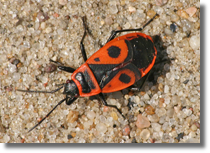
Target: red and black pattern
(119,64)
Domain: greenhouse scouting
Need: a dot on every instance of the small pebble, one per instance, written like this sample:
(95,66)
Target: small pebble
(42,16)
(194,127)
(6,138)
(191,11)
(160,87)
(14,61)
(149,110)
(187,26)
(151,13)
(195,42)
(62,2)
(161,101)
(101,127)
(40,137)
(56,15)
(145,134)
(91,115)
(180,136)
(43,25)
(126,130)
(113,9)
(174,17)
(197,124)
(12,68)
(102,22)
(192,140)
(186,81)
(8,89)
(156,127)
(105,109)
(160,112)
(161,2)
(69,136)
(48,30)
(72,116)
(182,14)
(127,25)
(131,9)
(50,68)
(168,31)
(142,121)
(146,96)
(170,112)
(73,134)
(153,118)
(114,116)
(173,27)
(109,20)
(166,89)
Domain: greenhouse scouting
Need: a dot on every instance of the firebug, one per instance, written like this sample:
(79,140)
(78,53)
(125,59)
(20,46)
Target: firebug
(120,63)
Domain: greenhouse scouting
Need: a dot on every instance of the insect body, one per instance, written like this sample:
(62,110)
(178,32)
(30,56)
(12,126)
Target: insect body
(116,66)
(120,63)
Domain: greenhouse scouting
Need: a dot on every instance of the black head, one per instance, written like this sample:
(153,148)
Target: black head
(70,88)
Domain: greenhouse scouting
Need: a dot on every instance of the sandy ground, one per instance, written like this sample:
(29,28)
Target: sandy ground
(166,110)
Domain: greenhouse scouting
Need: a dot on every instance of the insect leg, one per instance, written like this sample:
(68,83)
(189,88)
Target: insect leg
(83,37)
(113,33)
(70,100)
(63,68)
(141,82)
(101,96)
(67,69)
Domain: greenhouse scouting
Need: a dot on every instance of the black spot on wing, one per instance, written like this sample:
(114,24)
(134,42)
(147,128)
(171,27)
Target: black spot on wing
(124,78)
(114,51)
(97,59)
(130,66)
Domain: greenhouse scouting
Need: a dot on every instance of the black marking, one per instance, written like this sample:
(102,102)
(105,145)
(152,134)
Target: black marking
(85,88)
(89,80)
(114,51)
(124,78)
(143,51)
(100,69)
(97,59)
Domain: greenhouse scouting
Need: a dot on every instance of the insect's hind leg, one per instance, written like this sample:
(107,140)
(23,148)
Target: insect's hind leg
(114,33)
(101,96)
(142,81)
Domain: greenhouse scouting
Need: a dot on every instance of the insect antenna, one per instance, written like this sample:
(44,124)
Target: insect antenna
(37,91)
(48,114)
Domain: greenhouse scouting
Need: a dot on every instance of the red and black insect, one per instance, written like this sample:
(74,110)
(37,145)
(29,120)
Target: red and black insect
(120,63)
